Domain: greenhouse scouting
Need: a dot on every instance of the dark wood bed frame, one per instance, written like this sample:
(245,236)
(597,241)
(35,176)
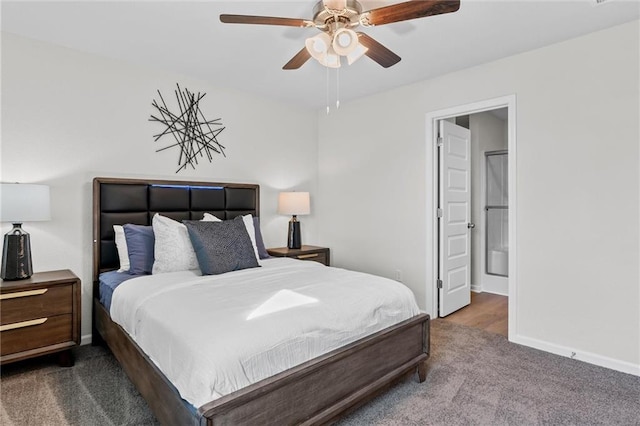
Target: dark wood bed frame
(318,391)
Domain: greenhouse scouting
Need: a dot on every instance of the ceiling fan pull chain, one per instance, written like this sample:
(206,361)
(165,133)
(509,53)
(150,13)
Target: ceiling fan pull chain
(327,91)
(337,88)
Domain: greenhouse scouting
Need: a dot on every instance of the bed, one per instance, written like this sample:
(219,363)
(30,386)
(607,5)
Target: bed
(317,391)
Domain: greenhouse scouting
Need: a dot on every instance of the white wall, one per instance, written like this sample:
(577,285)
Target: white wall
(68,117)
(577,183)
(488,133)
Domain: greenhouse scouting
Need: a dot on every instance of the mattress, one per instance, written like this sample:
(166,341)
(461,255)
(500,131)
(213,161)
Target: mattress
(108,281)
(213,335)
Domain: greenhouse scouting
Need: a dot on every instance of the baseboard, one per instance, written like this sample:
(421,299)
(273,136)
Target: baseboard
(85,339)
(495,292)
(479,289)
(588,357)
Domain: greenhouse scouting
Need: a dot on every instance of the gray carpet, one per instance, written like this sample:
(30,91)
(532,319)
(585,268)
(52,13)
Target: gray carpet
(474,378)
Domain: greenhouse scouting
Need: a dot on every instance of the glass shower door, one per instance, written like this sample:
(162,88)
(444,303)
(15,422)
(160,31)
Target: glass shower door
(497,213)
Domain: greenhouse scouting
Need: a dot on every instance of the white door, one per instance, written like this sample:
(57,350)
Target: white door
(454,228)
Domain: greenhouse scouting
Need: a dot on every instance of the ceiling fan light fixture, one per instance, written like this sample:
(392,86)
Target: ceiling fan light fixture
(345,41)
(330,60)
(318,45)
(356,54)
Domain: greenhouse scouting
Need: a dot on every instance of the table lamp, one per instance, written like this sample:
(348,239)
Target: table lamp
(294,203)
(21,202)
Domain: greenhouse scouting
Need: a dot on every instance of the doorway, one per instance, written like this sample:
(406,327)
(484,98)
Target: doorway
(458,229)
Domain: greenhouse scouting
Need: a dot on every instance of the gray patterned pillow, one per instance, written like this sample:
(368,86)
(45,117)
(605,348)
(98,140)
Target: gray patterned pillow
(221,246)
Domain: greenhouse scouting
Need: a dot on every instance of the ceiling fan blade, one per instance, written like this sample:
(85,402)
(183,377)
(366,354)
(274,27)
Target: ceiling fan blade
(264,20)
(409,10)
(378,52)
(298,60)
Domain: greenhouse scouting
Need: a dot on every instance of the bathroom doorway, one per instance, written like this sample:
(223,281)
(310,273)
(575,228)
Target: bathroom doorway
(488,307)
(476,263)
(473,199)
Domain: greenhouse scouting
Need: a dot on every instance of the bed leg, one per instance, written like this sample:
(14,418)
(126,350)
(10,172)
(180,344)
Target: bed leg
(97,340)
(422,371)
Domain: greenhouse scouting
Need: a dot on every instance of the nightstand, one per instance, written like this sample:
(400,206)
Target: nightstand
(317,254)
(40,315)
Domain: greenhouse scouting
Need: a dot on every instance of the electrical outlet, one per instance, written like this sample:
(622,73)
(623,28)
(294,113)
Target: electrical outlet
(398,275)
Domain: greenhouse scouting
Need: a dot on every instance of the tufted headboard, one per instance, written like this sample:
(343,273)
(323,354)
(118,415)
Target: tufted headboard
(119,201)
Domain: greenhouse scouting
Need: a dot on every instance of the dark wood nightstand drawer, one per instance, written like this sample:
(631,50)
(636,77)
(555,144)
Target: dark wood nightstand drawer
(314,253)
(316,257)
(36,333)
(40,315)
(36,303)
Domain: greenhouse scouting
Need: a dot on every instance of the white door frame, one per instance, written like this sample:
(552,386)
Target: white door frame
(432,119)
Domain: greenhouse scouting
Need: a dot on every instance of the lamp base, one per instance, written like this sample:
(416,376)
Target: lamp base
(294,239)
(16,255)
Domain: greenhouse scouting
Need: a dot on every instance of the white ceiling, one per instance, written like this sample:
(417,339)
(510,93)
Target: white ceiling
(187,37)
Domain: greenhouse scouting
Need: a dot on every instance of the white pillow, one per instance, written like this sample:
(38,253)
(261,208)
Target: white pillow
(121,245)
(251,230)
(208,217)
(172,248)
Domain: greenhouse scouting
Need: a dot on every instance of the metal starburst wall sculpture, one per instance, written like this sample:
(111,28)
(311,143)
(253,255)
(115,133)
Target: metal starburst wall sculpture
(195,136)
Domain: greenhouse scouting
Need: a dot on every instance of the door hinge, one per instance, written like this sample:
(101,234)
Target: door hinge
(439,283)
(439,212)
(440,141)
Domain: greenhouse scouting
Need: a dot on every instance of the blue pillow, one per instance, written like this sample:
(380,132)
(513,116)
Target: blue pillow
(221,246)
(140,241)
(262,251)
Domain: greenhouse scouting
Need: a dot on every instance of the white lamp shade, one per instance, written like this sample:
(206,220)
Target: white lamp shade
(22,202)
(331,59)
(318,45)
(356,54)
(294,203)
(345,41)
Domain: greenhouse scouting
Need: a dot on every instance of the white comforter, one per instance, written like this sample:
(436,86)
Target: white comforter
(212,335)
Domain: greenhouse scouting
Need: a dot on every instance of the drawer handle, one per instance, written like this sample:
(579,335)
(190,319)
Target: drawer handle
(23,294)
(22,324)
(308,256)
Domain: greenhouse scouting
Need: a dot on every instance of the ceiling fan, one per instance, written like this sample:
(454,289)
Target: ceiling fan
(336,19)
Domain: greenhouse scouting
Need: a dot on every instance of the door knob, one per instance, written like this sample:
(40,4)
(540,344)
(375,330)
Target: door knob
(471,225)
